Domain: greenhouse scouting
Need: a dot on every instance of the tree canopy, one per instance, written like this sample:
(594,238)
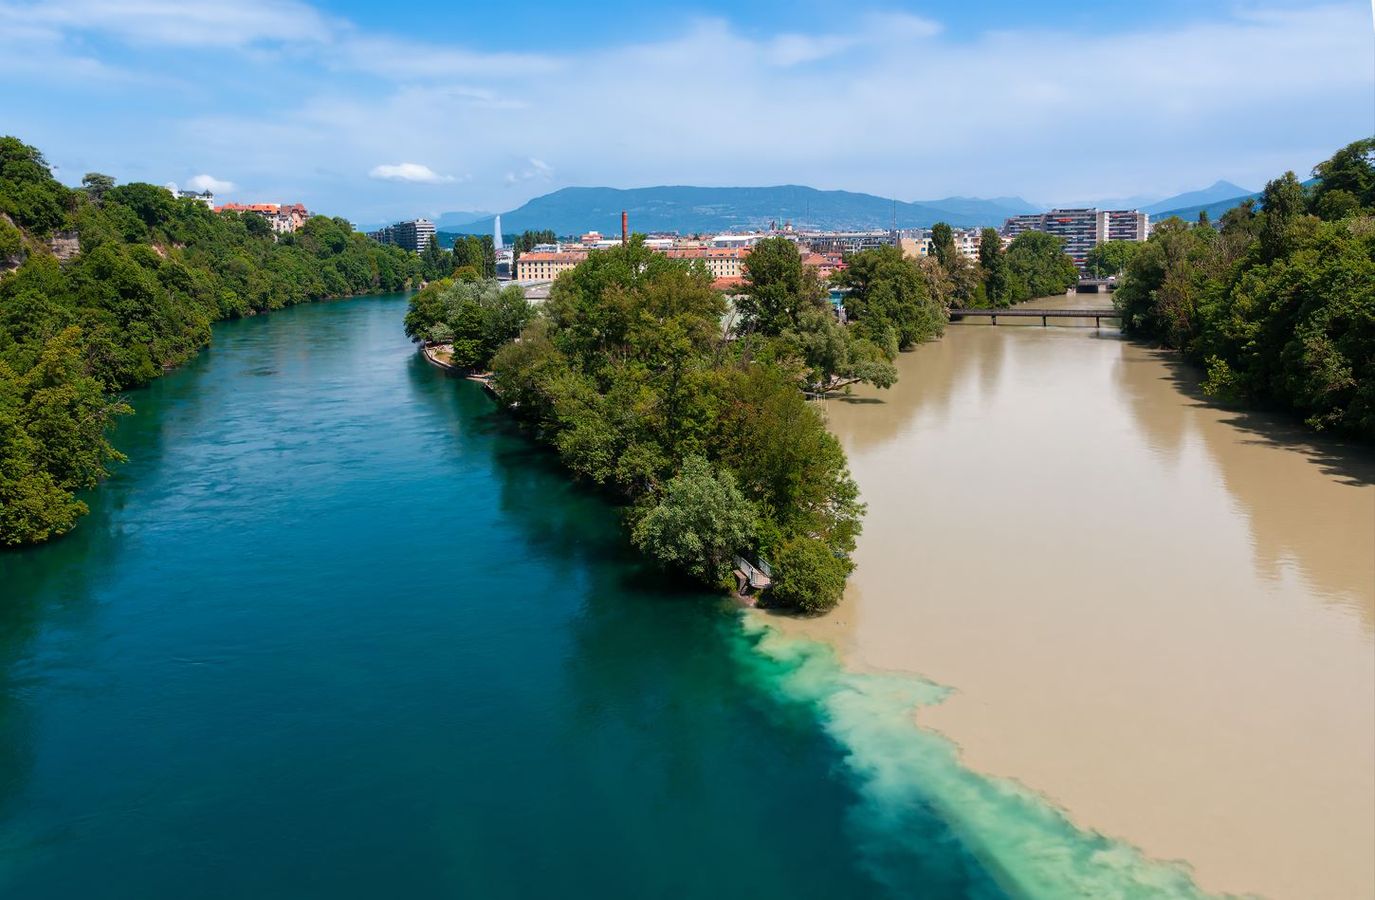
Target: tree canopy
(1278,304)
(710,442)
(152,273)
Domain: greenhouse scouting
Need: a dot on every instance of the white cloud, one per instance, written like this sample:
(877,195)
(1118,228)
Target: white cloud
(210,183)
(187,24)
(409,171)
(535,169)
(883,102)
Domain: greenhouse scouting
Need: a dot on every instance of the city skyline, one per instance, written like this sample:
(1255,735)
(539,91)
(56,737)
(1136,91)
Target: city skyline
(376,118)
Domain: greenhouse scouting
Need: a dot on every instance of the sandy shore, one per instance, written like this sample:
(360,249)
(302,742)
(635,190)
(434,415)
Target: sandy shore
(1158,615)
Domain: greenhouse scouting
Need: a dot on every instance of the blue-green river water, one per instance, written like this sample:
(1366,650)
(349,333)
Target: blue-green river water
(337,630)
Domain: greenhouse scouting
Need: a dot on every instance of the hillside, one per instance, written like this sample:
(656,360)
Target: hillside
(702,209)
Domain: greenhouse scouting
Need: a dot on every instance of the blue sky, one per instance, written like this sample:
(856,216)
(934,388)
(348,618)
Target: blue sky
(376,111)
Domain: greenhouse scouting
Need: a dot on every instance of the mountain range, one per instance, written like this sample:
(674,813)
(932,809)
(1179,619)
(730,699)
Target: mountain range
(1217,192)
(687,210)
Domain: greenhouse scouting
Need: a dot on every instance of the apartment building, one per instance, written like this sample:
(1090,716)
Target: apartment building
(1083,229)
(415,235)
(1127,225)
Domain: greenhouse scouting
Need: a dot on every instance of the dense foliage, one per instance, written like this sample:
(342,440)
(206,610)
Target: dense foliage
(142,276)
(1033,265)
(889,298)
(628,374)
(476,317)
(1278,303)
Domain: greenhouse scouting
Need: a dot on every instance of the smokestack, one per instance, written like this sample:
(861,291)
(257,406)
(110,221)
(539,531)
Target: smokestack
(625,228)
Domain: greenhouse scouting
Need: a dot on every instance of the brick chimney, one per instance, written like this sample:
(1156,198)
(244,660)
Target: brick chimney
(625,228)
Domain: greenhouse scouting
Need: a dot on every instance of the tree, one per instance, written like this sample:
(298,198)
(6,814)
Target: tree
(152,273)
(835,357)
(777,287)
(1350,172)
(808,576)
(1038,263)
(476,317)
(699,524)
(943,244)
(1283,202)
(997,288)
(1277,306)
(1110,257)
(97,185)
(888,294)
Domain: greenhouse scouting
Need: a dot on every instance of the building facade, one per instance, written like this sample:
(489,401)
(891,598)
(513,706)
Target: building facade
(415,235)
(1083,229)
(1128,225)
(205,197)
(546,265)
(283,218)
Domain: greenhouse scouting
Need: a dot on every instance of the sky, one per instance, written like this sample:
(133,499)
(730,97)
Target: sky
(378,112)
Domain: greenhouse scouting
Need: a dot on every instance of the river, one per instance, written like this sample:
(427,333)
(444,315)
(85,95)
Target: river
(1153,612)
(337,629)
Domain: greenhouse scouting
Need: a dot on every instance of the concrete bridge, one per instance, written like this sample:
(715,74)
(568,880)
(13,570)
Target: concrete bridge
(1022,312)
(1088,285)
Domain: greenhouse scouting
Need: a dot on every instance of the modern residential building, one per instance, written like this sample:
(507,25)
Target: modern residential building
(414,235)
(1083,229)
(1128,225)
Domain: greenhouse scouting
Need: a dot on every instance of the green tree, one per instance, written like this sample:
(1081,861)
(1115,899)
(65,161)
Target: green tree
(777,287)
(888,294)
(97,185)
(1283,202)
(1038,264)
(1351,173)
(808,576)
(699,524)
(943,245)
(1111,257)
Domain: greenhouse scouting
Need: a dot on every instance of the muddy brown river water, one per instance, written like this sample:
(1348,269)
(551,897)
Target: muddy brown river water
(1157,613)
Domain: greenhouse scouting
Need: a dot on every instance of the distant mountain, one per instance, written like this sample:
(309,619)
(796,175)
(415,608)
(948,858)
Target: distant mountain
(690,210)
(1217,192)
(454,221)
(1214,210)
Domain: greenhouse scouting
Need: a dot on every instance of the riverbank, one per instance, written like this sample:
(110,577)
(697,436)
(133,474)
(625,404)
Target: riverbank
(1157,614)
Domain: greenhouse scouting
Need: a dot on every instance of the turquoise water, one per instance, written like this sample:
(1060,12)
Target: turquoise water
(336,630)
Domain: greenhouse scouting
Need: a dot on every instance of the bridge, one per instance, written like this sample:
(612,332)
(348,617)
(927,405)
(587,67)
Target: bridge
(1022,312)
(1087,285)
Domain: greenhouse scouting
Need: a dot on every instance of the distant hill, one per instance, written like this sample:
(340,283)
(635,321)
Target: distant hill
(455,221)
(1217,192)
(1217,208)
(701,209)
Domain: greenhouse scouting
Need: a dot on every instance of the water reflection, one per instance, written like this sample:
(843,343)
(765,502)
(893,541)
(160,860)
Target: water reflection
(1308,500)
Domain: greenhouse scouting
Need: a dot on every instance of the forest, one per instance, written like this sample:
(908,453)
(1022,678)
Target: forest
(104,287)
(1276,302)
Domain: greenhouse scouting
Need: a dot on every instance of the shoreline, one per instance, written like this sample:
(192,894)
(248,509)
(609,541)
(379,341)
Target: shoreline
(1171,708)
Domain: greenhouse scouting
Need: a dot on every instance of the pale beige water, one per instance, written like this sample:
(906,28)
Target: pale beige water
(1159,614)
